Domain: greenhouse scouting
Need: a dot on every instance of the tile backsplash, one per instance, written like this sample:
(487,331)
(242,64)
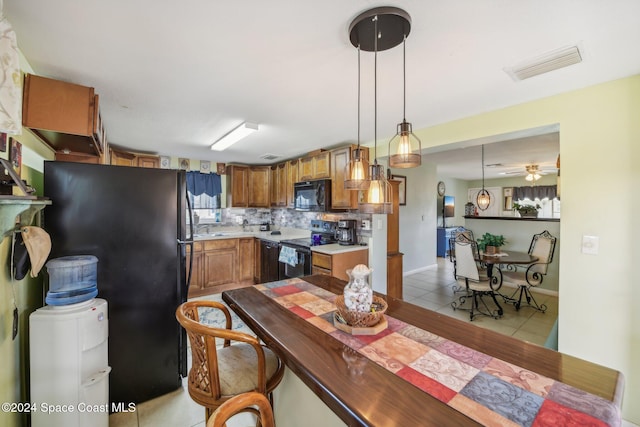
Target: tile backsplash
(287,217)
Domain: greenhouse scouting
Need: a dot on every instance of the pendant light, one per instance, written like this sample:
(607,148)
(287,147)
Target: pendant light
(483,199)
(376,30)
(406,146)
(356,172)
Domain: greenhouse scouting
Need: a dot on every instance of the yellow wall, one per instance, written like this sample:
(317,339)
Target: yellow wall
(599,145)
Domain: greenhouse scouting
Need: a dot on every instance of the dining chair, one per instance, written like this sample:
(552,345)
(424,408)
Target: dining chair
(452,252)
(476,280)
(242,403)
(530,276)
(218,373)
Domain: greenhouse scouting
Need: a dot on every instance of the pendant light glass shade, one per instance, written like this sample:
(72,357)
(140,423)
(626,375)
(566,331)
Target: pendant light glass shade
(356,171)
(378,198)
(483,199)
(404,148)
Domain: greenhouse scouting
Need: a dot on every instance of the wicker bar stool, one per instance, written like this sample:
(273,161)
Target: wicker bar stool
(240,403)
(218,374)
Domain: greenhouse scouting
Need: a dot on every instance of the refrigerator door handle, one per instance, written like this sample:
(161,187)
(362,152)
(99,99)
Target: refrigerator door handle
(190,243)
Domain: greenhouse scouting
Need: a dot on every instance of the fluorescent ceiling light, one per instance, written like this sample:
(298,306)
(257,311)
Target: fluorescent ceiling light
(234,136)
(550,61)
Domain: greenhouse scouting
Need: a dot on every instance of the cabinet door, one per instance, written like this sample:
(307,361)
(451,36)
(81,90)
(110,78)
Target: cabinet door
(292,178)
(245,259)
(273,193)
(322,165)
(122,158)
(305,168)
(197,273)
(340,197)
(259,178)
(282,185)
(219,267)
(237,186)
(257,265)
(148,162)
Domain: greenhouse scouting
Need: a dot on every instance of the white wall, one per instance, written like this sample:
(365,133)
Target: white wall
(418,218)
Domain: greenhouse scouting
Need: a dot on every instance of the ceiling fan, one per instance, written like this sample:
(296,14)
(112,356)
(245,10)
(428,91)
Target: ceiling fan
(532,172)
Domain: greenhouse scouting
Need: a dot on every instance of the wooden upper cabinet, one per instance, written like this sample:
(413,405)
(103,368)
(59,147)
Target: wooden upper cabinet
(292,178)
(259,179)
(65,116)
(279,184)
(148,161)
(274,186)
(305,168)
(322,165)
(317,166)
(122,158)
(340,197)
(237,186)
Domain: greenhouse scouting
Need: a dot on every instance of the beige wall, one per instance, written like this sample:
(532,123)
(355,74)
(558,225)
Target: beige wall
(600,151)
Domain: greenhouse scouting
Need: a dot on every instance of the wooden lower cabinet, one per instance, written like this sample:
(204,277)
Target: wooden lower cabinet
(336,265)
(246,259)
(221,264)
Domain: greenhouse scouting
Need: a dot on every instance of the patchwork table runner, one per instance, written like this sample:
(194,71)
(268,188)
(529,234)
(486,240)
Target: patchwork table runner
(486,389)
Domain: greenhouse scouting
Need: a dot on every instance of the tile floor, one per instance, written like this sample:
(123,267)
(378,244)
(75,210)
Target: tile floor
(431,288)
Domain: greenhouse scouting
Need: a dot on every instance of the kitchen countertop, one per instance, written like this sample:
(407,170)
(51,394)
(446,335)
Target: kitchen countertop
(336,248)
(236,232)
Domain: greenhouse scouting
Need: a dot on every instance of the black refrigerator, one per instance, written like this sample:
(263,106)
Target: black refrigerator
(134,221)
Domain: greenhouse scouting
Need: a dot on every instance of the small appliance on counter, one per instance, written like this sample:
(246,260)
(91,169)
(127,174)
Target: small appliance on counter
(346,232)
(265,226)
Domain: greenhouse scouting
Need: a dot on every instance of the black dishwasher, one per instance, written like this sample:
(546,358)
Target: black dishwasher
(269,268)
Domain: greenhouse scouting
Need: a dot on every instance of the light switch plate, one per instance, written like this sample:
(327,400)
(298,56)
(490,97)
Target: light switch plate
(590,245)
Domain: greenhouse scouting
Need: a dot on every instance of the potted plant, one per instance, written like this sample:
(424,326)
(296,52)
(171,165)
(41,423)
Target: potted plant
(527,211)
(489,243)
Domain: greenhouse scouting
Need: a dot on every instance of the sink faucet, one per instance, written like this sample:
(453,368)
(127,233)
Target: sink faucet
(244,224)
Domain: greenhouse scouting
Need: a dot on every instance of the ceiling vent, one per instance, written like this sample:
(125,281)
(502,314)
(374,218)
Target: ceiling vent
(550,61)
(268,156)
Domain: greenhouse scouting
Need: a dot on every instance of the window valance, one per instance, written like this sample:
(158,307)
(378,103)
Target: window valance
(535,192)
(203,183)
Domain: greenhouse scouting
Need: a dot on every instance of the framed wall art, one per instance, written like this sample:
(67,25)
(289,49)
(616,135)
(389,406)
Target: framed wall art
(15,155)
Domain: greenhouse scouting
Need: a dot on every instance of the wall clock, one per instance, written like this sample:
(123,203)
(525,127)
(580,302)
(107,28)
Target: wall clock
(441,188)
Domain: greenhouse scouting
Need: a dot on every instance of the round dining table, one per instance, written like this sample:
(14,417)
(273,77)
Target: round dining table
(506,257)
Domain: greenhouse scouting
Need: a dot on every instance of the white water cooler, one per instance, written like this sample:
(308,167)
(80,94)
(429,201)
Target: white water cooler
(69,365)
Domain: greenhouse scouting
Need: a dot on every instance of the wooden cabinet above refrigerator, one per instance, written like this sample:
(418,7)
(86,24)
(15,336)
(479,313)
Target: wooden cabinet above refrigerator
(65,116)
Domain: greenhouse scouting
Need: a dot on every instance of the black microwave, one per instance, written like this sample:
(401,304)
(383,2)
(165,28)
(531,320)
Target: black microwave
(312,196)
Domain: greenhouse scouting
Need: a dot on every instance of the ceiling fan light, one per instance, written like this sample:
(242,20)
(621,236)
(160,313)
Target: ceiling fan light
(406,146)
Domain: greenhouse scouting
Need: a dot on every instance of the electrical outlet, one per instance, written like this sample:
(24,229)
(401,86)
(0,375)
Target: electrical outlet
(366,224)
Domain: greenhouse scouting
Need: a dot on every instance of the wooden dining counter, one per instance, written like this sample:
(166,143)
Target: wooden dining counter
(362,393)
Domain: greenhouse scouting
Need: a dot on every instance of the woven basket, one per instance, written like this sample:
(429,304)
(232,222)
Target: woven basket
(361,319)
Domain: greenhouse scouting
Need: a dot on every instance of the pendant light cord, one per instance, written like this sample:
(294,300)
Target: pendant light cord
(483,166)
(404,79)
(358,96)
(375,89)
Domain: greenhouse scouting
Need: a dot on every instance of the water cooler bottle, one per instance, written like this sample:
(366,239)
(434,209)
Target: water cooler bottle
(69,365)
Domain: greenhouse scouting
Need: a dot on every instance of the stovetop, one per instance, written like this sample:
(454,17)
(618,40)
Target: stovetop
(307,242)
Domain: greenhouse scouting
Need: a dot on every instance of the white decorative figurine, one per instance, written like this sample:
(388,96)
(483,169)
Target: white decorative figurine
(358,295)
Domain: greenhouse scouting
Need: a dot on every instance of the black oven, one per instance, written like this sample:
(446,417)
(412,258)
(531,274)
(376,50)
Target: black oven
(297,265)
(312,196)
